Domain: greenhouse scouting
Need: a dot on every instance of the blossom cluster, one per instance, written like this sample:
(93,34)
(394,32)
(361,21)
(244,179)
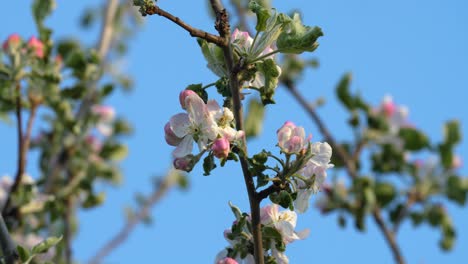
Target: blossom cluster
(206,124)
(15,42)
(284,222)
(311,176)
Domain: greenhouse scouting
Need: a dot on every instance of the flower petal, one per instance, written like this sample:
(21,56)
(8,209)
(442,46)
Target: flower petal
(180,124)
(184,148)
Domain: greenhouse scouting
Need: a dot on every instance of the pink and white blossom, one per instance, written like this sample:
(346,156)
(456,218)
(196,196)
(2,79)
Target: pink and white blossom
(12,42)
(227,261)
(314,173)
(105,115)
(195,125)
(284,222)
(36,46)
(291,138)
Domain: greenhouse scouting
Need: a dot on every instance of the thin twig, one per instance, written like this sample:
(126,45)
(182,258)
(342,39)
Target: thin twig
(21,150)
(389,235)
(194,32)
(23,146)
(103,46)
(159,192)
(222,25)
(349,166)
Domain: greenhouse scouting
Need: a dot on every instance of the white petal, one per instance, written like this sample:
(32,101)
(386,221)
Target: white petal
(180,124)
(279,256)
(184,148)
(302,201)
(214,109)
(196,109)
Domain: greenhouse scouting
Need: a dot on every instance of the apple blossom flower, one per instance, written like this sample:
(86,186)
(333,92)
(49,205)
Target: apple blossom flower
(314,172)
(291,138)
(13,41)
(284,222)
(222,255)
(36,46)
(227,261)
(106,115)
(195,125)
(224,118)
(241,40)
(221,148)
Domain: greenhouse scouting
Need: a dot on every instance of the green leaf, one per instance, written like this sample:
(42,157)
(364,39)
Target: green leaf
(208,164)
(452,133)
(283,198)
(455,190)
(413,139)
(446,155)
(298,38)
(435,215)
(93,200)
(342,91)
(385,193)
(223,88)
(262,15)
(41,9)
(275,25)
(235,210)
(254,119)
(23,253)
(45,245)
(119,153)
(271,73)
(214,56)
(271,232)
(198,89)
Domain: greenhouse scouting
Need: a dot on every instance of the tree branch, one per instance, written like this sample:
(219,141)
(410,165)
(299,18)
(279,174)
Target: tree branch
(162,188)
(23,146)
(10,255)
(194,32)
(103,46)
(222,25)
(389,236)
(350,167)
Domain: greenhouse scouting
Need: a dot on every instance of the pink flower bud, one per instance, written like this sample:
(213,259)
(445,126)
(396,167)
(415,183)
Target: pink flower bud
(105,113)
(12,41)
(227,261)
(388,106)
(183,96)
(221,147)
(171,138)
(456,162)
(94,143)
(185,163)
(36,46)
(291,138)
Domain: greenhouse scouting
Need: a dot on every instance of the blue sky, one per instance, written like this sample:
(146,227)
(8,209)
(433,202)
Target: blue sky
(413,50)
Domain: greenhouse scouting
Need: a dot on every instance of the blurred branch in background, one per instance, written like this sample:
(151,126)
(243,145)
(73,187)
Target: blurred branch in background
(142,214)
